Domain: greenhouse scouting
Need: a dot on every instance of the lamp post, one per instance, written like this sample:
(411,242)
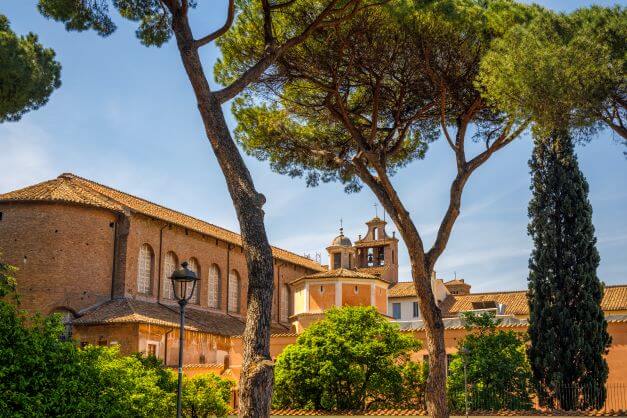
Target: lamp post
(465,353)
(184,283)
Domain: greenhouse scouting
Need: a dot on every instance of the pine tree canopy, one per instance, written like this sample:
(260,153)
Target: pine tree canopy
(567,328)
(563,66)
(394,73)
(28,74)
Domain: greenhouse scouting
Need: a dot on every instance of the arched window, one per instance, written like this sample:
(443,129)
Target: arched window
(285,303)
(145,268)
(234,291)
(215,286)
(194,266)
(170,263)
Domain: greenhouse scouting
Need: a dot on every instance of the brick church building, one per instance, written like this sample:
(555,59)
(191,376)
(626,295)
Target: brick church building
(102,258)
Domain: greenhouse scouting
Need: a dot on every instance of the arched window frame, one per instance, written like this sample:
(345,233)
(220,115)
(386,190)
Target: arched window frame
(194,266)
(170,263)
(235,292)
(145,269)
(214,287)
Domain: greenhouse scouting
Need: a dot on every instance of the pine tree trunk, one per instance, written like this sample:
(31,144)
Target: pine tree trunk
(257,376)
(437,405)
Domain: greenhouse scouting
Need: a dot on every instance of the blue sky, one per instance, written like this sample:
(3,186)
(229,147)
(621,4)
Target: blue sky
(125,116)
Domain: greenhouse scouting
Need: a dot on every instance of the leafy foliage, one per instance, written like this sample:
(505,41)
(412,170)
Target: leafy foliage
(385,71)
(498,373)
(352,359)
(563,70)
(41,375)
(567,326)
(206,396)
(154,21)
(28,75)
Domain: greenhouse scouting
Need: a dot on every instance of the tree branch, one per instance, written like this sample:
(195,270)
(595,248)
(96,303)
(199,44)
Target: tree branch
(227,25)
(269,57)
(281,5)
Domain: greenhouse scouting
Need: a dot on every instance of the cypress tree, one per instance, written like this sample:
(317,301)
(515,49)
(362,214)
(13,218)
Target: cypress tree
(567,326)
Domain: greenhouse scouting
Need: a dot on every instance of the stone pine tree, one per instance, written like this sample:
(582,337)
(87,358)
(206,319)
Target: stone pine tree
(564,66)
(28,73)
(361,99)
(159,21)
(567,327)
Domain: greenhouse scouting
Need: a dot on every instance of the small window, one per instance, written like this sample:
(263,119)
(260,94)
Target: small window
(0,216)
(396,310)
(356,289)
(337,260)
(416,310)
(321,289)
(152,350)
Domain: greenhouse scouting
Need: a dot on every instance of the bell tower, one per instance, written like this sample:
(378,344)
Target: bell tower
(377,251)
(341,252)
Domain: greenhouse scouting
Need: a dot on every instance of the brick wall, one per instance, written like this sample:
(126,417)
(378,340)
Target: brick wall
(64,253)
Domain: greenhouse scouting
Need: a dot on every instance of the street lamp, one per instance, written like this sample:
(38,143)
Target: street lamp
(184,283)
(465,352)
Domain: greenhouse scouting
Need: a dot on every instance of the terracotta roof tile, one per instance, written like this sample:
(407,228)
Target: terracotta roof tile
(74,189)
(340,273)
(615,299)
(420,412)
(457,282)
(375,270)
(515,302)
(402,289)
(134,311)
(457,323)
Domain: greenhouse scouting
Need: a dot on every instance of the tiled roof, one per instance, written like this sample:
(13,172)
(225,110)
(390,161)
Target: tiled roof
(615,299)
(134,311)
(126,310)
(515,302)
(456,282)
(218,366)
(74,189)
(506,322)
(375,270)
(378,412)
(457,323)
(402,289)
(340,273)
(419,412)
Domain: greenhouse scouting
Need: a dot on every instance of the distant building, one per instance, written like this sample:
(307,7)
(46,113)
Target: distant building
(102,258)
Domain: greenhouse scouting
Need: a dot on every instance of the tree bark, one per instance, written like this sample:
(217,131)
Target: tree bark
(421,270)
(256,379)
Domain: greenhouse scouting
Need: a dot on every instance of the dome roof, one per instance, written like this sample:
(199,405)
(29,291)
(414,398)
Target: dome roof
(342,240)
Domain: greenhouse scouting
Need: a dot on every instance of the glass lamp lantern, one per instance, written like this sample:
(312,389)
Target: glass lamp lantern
(184,282)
